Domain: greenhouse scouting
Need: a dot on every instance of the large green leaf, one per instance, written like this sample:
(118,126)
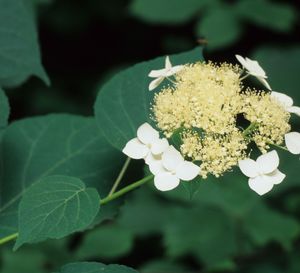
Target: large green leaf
(164,11)
(19,49)
(123,103)
(52,145)
(4,109)
(54,207)
(91,267)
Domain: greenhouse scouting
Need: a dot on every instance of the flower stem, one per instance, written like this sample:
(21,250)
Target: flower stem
(120,176)
(249,129)
(278,146)
(244,77)
(125,190)
(104,201)
(8,238)
(169,79)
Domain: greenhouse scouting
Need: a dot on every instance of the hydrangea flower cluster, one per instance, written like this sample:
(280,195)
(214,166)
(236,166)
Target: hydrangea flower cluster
(215,119)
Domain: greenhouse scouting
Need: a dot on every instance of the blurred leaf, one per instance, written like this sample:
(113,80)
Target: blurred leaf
(19,49)
(220,27)
(163,266)
(4,109)
(55,207)
(107,242)
(144,213)
(203,232)
(164,11)
(282,67)
(265,225)
(274,15)
(53,145)
(25,261)
(124,102)
(90,267)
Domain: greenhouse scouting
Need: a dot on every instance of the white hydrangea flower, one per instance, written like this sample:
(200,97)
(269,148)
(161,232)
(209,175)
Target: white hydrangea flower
(292,142)
(263,173)
(287,102)
(171,168)
(146,145)
(163,73)
(253,68)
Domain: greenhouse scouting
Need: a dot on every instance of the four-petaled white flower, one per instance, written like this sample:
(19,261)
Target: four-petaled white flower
(163,73)
(146,145)
(263,173)
(287,102)
(253,68)
(292,142)
(171,168)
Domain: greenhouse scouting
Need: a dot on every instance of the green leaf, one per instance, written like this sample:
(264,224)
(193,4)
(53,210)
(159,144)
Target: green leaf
(25,261)
(55,207)
(19,49)
(4,109)
(91,267)
(265,225)
(162,11)
(69,145)
(144,213)
(282,67)
(110,241)
(277,16)
(163,266)
(123,104)
(220,27)
(204,232)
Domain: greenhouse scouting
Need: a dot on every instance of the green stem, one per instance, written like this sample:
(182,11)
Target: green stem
(125,190)
(8,238)
(249,129)
(278,146)
(120,176)
(102,202)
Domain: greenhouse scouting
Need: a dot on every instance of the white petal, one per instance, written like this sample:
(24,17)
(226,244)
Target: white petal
(260,185)
(249,167)
(174,70)
(268,162)
(159,146)
(171,158)
(147,134)
(241,60)
(153,84)
(151,158)
(157,167)
(135,149)
(168,64)
(284,99)
(187,170)
(264,82)
(255,69)
(294,110)
(166,181)
(292,142)
(276,177)
(157,73)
